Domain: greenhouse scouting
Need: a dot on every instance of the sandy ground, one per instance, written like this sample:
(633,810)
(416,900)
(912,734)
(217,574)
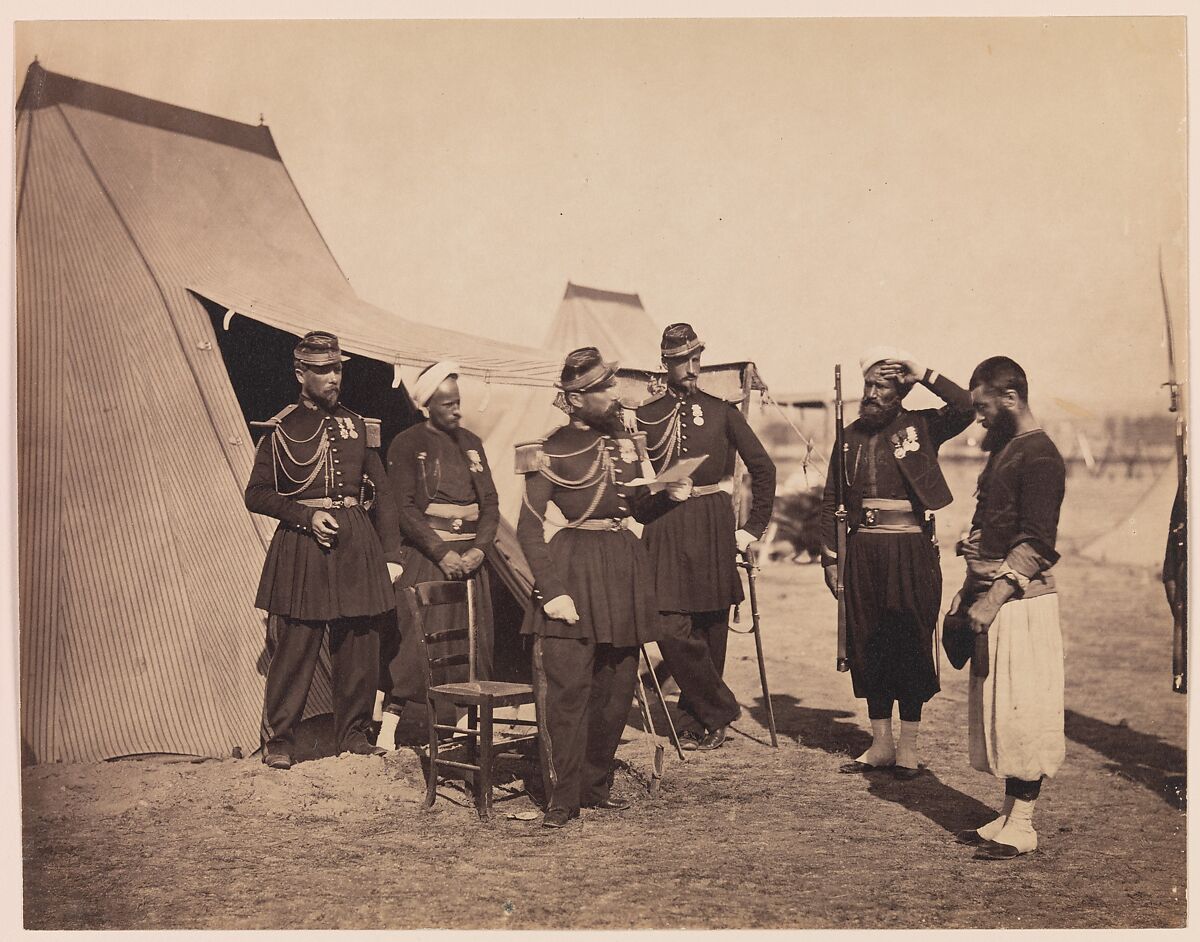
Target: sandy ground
(748,836)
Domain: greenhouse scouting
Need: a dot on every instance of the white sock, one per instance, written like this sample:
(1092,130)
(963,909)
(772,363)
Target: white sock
(989,831)
(377,713)
(906,753)
(883,745)
(1018,830)
(387,731)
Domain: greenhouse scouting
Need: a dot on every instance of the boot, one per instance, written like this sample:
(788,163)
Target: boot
(387,731)
(907,764)
(882,753)
(1015,838)
(987,832)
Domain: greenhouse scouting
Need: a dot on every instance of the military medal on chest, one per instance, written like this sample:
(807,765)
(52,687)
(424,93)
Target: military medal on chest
(476,461)
(697,414)
(346,427)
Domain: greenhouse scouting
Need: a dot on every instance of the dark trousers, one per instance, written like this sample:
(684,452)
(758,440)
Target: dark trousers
(354,657)
(584,691)
(694,652)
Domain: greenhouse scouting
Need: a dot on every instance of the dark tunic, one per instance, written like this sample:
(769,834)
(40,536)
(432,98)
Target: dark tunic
(426,465)
(893,581)
(692,547)
(605,572)
(1020,494)
(302,579)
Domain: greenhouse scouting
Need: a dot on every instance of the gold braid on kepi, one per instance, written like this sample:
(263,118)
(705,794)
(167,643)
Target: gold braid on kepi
(583,369)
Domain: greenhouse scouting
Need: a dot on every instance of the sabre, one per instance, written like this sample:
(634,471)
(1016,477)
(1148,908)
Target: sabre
(840,450)
(748,564)
(1179,606)
(663,701)
(648,725)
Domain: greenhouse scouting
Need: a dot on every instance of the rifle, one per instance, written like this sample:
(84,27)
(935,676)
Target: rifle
(1179,604)
(748,564)
(839,466)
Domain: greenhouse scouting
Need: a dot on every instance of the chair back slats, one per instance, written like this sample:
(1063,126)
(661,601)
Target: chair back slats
(449,660)
(448,634)
(441,614)
(441,593)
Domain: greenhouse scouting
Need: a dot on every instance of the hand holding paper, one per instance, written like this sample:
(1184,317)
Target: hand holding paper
(678,472)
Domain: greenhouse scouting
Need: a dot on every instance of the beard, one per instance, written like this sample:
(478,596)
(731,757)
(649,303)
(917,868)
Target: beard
(1004,426)
(874,418)
(608,422)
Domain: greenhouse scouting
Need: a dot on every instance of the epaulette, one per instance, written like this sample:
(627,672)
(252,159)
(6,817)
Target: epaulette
(530,456)
(374,436)
(274,420)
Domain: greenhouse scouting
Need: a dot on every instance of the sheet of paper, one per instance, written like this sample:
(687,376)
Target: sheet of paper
(676,472)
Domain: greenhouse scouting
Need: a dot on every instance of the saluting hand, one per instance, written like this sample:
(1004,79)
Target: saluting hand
(561,608)
(905,372)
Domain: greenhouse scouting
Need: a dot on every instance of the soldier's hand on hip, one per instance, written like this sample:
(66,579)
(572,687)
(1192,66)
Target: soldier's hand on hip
(452,565)
(324,527)
(680,491)
(831,579)
(562,608)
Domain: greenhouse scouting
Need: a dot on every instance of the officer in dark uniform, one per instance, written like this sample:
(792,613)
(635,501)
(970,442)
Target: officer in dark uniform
(694,547)
(593,596)
(327,564)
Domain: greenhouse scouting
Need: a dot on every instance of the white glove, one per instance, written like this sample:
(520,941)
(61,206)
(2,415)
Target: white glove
(561,608)
(745,540)
(395,571)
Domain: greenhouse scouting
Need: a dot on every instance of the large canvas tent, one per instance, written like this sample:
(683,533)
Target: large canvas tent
(164,265)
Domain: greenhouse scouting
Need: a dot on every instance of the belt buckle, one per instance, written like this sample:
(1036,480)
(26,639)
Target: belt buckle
(616,523)
(870,517)
(456,525)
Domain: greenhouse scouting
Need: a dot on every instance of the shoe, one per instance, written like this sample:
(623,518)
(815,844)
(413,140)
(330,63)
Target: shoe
(275,757)
(856,767)
(611,804)
(690,739)
(905,774)
(359,745)
(713,739)
(971,838)
(990,850)
(558,818)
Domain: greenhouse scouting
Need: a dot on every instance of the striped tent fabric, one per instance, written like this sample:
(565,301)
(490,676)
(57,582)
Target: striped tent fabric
(138,561)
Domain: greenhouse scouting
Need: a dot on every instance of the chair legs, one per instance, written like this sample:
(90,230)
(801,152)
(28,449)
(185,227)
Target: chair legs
(431,784)
(483,784)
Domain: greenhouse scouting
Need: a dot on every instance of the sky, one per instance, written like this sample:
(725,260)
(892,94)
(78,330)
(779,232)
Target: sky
(799,190)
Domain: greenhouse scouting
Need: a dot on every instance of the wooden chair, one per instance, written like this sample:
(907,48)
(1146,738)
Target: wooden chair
(446,650)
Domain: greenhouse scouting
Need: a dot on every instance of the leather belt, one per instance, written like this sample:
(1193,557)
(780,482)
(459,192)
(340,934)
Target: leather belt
(328,503)
(456,529)
(876,517)
(603,523)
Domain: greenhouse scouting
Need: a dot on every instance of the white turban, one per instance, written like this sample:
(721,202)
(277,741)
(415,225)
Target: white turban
(428,382)
(882,352)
